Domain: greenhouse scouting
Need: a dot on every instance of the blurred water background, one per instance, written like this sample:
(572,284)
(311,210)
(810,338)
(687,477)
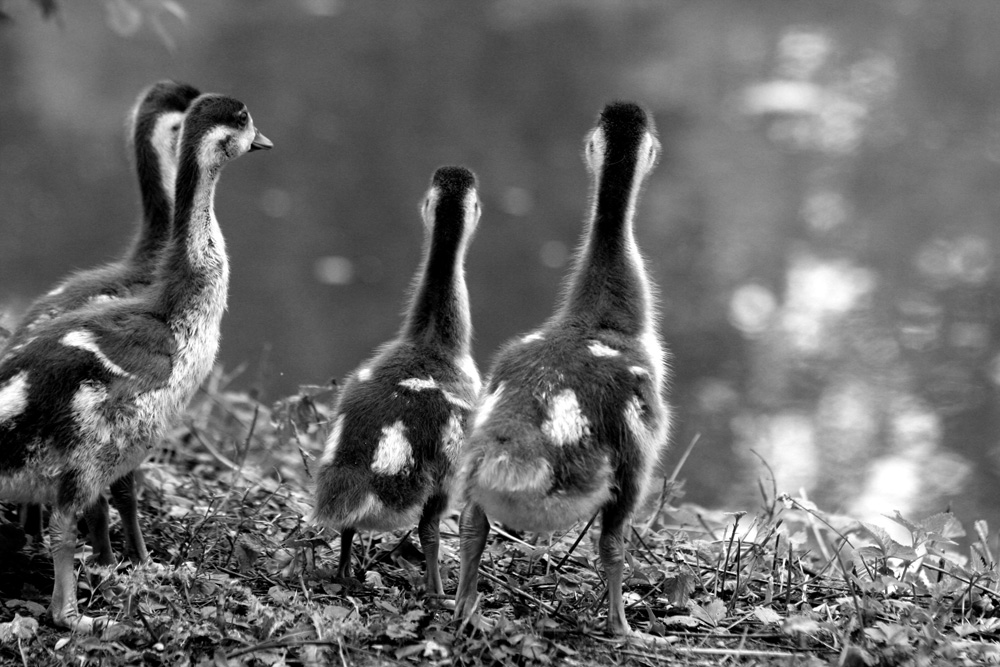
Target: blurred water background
(822,225)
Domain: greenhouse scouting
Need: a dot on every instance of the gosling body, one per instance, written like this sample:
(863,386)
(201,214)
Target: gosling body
(573,417)
(86,396)
(400,417)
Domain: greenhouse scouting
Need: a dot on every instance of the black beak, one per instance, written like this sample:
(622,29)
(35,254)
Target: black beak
(260,142)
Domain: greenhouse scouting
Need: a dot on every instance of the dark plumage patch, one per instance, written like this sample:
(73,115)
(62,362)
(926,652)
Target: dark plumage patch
(453,181)
(436,311)
(135,341)
(603,387)
(625,119)
(368,407)
(163,96)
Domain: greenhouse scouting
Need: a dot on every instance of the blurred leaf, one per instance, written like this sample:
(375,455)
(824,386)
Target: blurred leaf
(766,615)
(21,627)
(800,624)
(32,607)
(711,614)
(123,17)
(888,547)
(679,588)
(943,527)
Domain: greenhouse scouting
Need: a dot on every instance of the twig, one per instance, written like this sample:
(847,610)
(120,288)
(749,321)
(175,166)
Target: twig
(736,590)
(20,649)
(142,617)
(531,598)
(729,546)
(648,550)
(740,653)
(283,643)
(472,612)
(577,541)
(708,529)
(246,441)
(956,577)
(734,653)
(667,482)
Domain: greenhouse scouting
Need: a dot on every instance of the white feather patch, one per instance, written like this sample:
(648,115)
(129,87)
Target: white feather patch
(164,142)
(455,400)
(599,349)
(87,403)
(209,155)
(535,335)
(14,396)
(648,440)
(364,374)
(638,370)
(333,441)
(394,453)
(416,384)
(57,291)
(633,417)
(651,343)
(566,424)
(468,366)
(369,506)
(452,437)
(84,340)
(486,406)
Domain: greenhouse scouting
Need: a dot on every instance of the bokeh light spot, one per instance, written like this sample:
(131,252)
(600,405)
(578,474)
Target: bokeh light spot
(554,254)
(334,270)
(276,202)
(517,201)
(751,308)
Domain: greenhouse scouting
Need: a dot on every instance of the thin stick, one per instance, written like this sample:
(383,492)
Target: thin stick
(283,643)
(736,589)
(668,481)
(578,538)
(531,598)
(729,547)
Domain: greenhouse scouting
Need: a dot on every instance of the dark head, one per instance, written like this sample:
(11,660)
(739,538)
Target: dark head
(156,122)
(166,95)
(452,199)
(163,99)
(217,129)
(158,113)
(625,136)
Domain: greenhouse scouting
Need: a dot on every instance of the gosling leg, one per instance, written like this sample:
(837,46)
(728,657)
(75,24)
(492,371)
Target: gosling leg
(429,531)
(344,566)
(96,517)
(612,547)
(474,528)
(123,497)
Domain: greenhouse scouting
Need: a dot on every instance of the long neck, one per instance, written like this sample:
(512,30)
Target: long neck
(608,287)
(195,263)
(154,231)
(439,310)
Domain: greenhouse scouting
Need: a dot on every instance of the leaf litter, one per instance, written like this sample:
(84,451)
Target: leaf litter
(238,575)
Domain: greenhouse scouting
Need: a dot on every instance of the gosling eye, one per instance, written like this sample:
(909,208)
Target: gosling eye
(243,118)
